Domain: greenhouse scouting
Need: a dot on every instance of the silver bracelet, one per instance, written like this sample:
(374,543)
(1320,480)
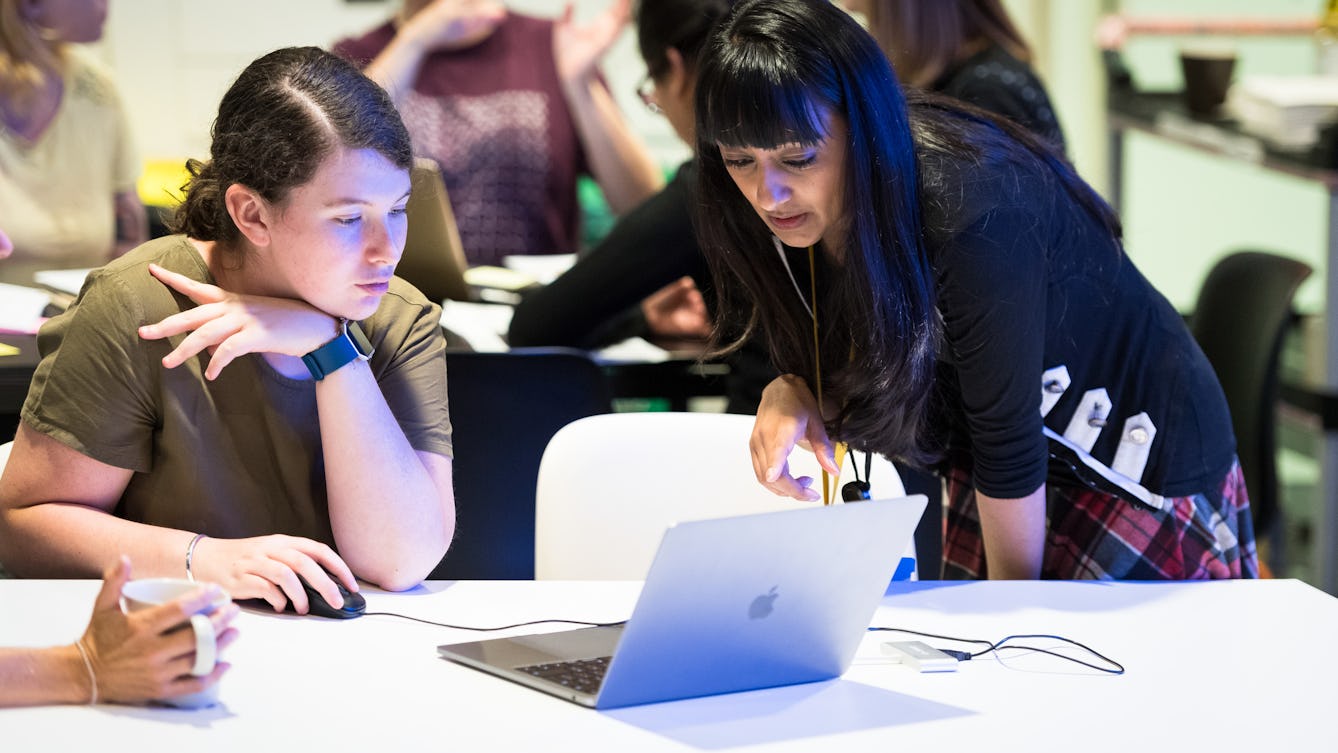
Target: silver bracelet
(92,676)
(190,554)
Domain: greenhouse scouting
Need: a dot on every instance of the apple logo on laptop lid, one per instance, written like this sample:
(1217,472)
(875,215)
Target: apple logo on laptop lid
(763,605)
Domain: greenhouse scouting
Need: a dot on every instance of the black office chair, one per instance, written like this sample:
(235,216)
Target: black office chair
(1241,316)
(504,409)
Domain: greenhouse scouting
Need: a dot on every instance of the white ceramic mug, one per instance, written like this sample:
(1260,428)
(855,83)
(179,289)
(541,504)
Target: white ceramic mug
(150,592)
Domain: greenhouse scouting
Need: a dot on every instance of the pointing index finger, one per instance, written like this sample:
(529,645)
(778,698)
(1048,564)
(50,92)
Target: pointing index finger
(198,292)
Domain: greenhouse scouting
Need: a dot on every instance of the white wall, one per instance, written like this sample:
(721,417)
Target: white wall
(1070,65)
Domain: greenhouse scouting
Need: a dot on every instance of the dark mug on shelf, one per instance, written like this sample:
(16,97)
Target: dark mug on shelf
(1207,75)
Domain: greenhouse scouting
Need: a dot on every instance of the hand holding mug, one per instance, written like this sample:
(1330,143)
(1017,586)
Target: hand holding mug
(148,651)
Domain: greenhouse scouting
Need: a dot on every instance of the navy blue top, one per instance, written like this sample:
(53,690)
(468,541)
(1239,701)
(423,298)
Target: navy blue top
(1027,282)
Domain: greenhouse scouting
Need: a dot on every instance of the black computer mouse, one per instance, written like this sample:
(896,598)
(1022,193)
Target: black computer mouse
(354,605)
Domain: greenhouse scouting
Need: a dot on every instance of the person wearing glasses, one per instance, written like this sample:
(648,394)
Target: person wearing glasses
(254,401)
(648,276)
(938,286)
(513,109)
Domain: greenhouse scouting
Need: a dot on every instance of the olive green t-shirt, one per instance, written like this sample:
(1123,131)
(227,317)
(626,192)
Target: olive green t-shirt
(241,455)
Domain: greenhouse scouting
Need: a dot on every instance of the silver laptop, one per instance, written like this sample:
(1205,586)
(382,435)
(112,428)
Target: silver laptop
(729,604)
(434,259)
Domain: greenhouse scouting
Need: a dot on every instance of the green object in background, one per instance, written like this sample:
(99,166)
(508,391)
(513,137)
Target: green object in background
(596,217)
(641,404)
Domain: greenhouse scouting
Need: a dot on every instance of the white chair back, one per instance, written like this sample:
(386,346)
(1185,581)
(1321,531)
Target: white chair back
(4,460)
(610,485)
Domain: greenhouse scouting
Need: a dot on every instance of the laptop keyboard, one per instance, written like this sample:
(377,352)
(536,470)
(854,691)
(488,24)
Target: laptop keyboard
(583,675)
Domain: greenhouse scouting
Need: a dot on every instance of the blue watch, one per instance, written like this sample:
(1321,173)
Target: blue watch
(349,344)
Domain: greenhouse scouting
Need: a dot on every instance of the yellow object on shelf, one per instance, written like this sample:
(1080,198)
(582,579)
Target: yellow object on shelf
(1326,40)
(160,183)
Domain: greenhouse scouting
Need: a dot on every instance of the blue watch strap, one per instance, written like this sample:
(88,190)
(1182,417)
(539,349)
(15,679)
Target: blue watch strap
(348,345)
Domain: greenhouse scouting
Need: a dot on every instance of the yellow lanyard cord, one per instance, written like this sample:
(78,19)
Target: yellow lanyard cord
(828,483)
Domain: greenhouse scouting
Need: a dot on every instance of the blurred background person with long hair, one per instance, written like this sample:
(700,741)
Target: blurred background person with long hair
(67,164)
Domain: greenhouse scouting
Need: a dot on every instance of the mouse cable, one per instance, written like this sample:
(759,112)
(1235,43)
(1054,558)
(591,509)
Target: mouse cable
(492,629)
(1115,667)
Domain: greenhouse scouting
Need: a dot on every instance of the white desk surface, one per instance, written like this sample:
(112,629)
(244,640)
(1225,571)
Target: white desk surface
(1224,666)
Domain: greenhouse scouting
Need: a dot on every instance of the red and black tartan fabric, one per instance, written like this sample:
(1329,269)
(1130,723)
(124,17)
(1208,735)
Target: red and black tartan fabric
(1097,535)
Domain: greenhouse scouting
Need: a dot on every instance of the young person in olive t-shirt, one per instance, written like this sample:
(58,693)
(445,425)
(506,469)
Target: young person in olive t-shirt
(255,400)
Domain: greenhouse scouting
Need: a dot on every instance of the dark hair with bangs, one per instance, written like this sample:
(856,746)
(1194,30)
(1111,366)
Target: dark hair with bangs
(772,72)
(749,105)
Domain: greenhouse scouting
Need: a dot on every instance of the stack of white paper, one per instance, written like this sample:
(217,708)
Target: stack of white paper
(1288,111)
(21,308)
(65,280)
(542,268)
(483,325)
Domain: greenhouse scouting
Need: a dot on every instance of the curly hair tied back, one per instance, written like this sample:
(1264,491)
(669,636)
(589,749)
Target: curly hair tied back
(279,120)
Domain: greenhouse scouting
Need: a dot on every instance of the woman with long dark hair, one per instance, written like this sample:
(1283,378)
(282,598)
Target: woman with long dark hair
(938,286)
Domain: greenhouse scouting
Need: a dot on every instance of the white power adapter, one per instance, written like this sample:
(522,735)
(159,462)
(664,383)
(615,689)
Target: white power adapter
(919,655)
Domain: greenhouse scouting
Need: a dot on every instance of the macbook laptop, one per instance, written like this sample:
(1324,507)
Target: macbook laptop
(434,258)
(729,604)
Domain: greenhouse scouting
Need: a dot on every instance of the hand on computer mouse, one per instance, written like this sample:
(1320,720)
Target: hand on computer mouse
(271,567)
(353,604)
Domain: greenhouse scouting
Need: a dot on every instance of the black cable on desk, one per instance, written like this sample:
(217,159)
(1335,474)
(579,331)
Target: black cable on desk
(1115,667)
(492,629)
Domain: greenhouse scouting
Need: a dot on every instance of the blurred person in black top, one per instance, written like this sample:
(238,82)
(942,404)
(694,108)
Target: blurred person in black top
(648,277)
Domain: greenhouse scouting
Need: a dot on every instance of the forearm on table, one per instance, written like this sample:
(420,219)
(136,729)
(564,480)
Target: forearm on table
(1013,533)
(618,160)
(41,676)
(66,540)
(392,520)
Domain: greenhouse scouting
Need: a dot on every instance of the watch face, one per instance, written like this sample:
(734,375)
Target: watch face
(359,339)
